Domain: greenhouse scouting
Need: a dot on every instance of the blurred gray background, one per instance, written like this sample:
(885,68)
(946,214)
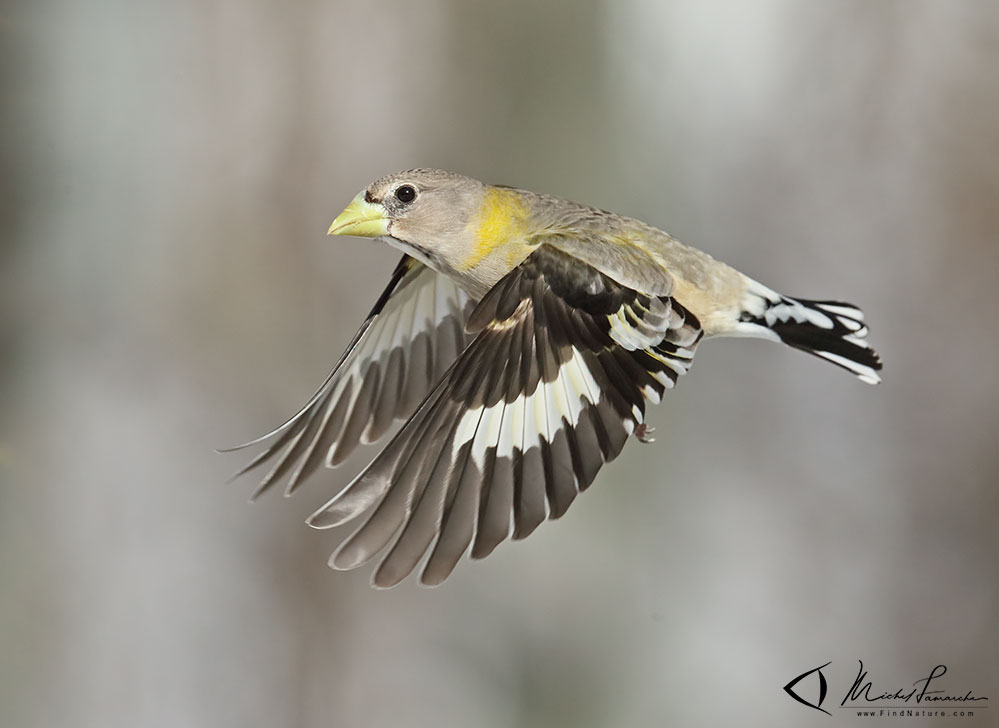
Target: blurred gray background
(166,287)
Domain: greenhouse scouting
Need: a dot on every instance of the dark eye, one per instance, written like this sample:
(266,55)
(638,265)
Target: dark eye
(405,194)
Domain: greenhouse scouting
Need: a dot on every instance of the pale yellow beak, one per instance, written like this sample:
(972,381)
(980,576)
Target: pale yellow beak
(361,219)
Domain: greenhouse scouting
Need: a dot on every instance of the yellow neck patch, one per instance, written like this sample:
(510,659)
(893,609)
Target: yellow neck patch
(501,221)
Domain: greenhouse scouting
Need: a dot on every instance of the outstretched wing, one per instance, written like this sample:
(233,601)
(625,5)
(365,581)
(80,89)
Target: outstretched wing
(554,382)
(412,335)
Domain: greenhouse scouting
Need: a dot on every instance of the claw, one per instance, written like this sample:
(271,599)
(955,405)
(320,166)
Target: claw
(644,433)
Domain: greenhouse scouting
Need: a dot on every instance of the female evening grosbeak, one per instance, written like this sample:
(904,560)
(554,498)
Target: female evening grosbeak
(521,336)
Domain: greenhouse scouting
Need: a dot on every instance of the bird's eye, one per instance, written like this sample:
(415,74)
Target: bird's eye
(405,194)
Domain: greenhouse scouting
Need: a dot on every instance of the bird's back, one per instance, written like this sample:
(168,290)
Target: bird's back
(643,257)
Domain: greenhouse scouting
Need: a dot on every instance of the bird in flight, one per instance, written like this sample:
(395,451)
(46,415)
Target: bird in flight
(521,338)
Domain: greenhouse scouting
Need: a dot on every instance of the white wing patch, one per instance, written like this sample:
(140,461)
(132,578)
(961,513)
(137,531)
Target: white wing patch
(532,415)
(538,415)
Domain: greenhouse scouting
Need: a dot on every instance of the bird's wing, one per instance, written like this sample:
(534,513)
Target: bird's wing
(557,377)
(616,252)
(412,335)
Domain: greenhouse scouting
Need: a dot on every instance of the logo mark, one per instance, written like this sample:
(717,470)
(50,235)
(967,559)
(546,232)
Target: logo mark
(823,688)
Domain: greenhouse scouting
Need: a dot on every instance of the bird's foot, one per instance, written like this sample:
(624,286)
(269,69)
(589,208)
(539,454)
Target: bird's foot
(645,433)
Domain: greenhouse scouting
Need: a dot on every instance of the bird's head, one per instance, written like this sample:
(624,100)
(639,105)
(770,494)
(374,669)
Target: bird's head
(440,218)
(425,209)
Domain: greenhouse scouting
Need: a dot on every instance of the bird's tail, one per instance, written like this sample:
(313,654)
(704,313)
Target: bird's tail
(832,330)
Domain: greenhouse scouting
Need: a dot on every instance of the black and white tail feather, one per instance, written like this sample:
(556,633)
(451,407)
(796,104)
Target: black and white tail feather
(832,330)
